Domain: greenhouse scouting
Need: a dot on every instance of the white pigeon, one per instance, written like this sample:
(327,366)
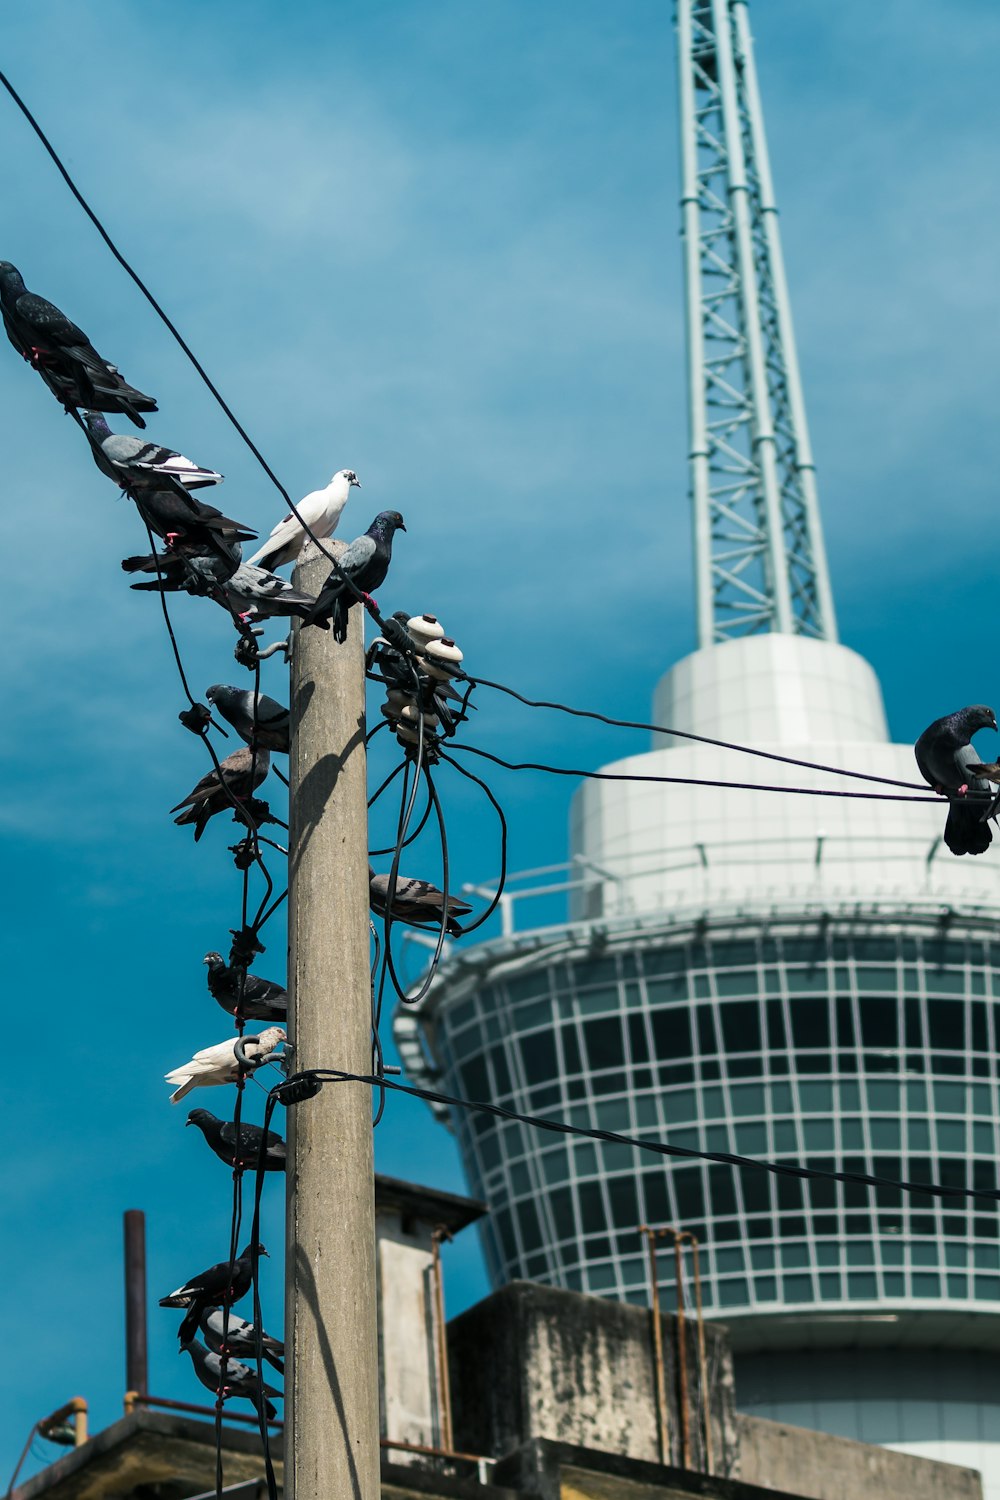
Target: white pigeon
(321,510)
(219,1064)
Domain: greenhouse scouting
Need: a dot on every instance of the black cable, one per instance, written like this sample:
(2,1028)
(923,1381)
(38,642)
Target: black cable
(258,1317)
(442,925)
(501,883)
(740,786)
(683,734)
(725,1158)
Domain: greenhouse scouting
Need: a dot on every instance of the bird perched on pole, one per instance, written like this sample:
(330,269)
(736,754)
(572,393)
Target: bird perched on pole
(137,462)
(241,1339)
(233,1379)
(254,593)
(364,565)
(320,509)
(62,353)
(253,716)
(220,1136)
(238,776)
(948,762)
(220,1286)
(261,999)
(415,902)
(220,1064)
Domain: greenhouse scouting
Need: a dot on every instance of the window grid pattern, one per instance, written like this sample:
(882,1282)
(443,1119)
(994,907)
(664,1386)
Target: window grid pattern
(871,1049)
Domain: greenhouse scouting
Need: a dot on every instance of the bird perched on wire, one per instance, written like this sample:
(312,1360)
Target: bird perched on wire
(241,1338)
(220,1286)
(320,510)
(175,515)
(220,1136)
(948,762)
(189,566)
(262,999)
(219,1064)
(364,564)
(62,353)
(236,1379)
(253,716)
(132,461)
(238,776)
(415,902)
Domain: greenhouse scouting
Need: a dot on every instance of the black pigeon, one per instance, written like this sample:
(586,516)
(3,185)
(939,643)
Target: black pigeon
(263,999)
(241,1339)
(415,902)
(213,1288)
(237,1380)
(62,353)
(221,1137)
(171,512)
(365,562)
(237,777)
(254,717)
(947,761)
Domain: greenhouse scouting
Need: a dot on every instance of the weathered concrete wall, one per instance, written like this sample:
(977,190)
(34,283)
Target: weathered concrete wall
(537,1362)
(820,1467)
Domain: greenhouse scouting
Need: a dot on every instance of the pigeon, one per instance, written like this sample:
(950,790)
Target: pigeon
(321,510)
(221,1137)
(266,719)
(219,1064)
(254,593)
(240,1338)
(237,778)
(189,566)
(263,1000)
(416,902)
(172,513)
(62,353)
(365,563)
(130,461)
(237,1379)
(220,1286)
(948,762)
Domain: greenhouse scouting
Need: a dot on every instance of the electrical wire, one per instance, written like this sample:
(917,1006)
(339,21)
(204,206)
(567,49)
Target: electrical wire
(725,1158)
(684,734)
(741,786)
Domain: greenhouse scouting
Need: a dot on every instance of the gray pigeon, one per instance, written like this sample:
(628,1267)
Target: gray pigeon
(237,1380)
(241,775)
(62,353)
(254,593)
(189,566)
(241,1339)
(365,563)
(132,461)
(416,902)
(948,762)
(236,705)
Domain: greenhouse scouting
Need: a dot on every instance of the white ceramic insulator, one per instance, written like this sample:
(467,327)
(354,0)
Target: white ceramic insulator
(424,628)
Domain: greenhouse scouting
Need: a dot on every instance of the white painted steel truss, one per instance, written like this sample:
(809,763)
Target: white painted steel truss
(759,552)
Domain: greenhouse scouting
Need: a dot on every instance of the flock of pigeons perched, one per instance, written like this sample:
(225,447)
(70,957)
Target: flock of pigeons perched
(202,556)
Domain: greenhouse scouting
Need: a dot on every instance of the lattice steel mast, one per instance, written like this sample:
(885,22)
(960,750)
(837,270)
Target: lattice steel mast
(759,552)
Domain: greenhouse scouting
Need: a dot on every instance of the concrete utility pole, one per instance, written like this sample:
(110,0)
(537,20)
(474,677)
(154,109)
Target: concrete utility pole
(331,1385)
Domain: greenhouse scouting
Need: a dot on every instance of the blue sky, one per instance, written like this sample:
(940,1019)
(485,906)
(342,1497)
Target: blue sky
(437,244)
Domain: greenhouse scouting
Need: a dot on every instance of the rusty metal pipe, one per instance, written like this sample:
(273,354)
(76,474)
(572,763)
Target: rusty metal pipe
(662,1415)
(441,1338)
(682,1374)
(139,1398)
(136,1349)
(706,1395)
